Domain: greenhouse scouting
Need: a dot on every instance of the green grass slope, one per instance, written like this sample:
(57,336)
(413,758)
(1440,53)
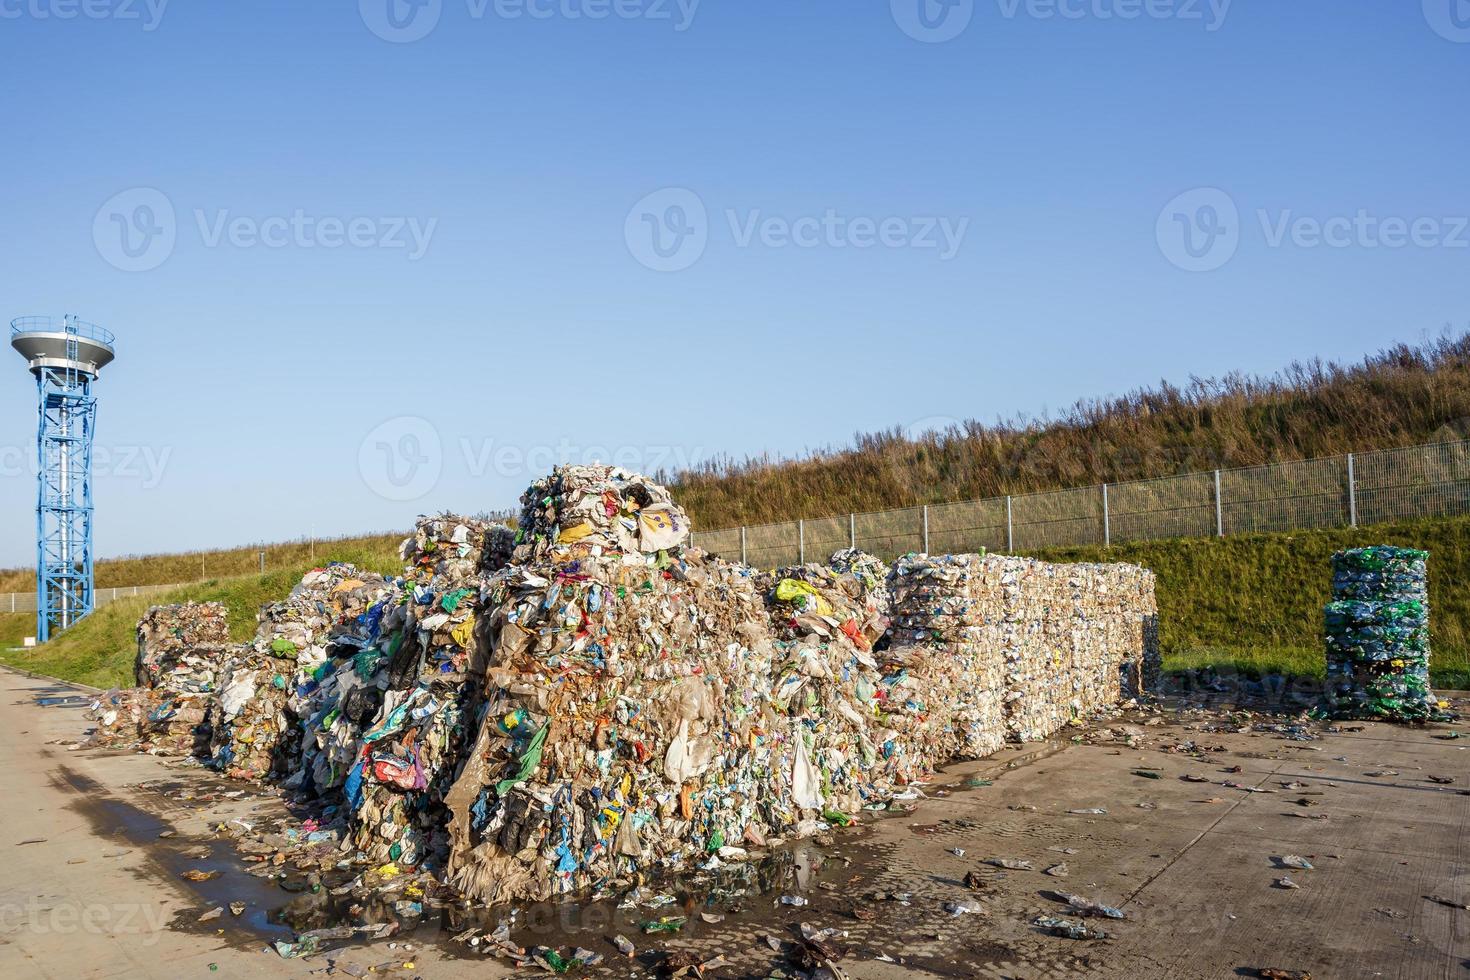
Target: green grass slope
(101,648)
(1254,603)
(1251,604)
(364,549)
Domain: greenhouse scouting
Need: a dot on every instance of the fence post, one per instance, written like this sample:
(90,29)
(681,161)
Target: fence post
(1107,521)
(1010,528)
(1219,510)
(801,542)
(743,560)
(1352,494)
(852,531)
(926,528)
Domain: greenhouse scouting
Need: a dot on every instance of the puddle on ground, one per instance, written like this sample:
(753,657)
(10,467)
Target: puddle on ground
(117,820)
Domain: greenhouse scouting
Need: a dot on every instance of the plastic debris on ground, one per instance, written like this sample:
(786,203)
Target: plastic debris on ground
(1377,627)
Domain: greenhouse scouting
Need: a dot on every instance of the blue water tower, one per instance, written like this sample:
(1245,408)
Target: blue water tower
(65,356)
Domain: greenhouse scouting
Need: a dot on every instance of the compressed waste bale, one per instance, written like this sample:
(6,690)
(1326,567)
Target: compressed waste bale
(293,666)
(433,683)
(1038,645)
(632,720)
(628,726)
(118,716)
(179,645)
(601,507)
(945,623)
(1377,628)
(250,722)
(174,723)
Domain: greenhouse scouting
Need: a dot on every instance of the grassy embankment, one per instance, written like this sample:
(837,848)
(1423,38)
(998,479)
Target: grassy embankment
(1250,604)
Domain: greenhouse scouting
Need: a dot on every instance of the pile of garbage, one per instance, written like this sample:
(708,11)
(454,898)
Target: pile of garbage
(601,507)
(180,646)
(1377,627)
(586,702)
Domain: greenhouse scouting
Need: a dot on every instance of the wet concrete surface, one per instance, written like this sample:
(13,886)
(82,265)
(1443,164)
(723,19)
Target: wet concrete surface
(1191,864)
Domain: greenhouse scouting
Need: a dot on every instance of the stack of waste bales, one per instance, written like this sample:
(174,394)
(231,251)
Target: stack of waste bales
(946,655)
(433,682)
(1377,628)
(152,719)
(287,674)
(179,646)
(1034,645)
(629,723)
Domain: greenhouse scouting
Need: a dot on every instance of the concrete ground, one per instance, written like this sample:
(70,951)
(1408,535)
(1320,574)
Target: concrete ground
(89,888)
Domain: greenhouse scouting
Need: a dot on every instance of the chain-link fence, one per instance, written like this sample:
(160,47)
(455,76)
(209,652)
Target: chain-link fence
(13,602)
(1340,491)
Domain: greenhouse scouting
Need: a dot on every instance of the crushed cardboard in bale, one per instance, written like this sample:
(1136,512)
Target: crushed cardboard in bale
(1377,627)
(179,646)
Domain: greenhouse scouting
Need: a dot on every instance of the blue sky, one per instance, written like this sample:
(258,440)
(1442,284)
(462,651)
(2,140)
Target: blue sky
(381,261)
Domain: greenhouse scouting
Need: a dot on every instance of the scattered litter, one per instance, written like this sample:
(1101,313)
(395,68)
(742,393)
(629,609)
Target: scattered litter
(1294,861)
(1068,928)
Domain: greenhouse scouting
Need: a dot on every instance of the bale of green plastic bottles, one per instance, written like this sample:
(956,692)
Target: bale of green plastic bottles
(1377,627)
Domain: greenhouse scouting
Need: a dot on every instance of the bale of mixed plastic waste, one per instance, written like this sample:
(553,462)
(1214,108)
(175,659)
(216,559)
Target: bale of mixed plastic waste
(1377,627)
(153,720)
(179,646)
(432,682)
(639,715)
(951,681)
(1031,646)
(251,727)
(601,506)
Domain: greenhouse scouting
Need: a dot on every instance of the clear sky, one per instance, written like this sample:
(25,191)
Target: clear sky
(367,260)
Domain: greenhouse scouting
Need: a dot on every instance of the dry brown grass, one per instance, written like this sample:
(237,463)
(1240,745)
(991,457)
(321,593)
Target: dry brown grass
(1400,396)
